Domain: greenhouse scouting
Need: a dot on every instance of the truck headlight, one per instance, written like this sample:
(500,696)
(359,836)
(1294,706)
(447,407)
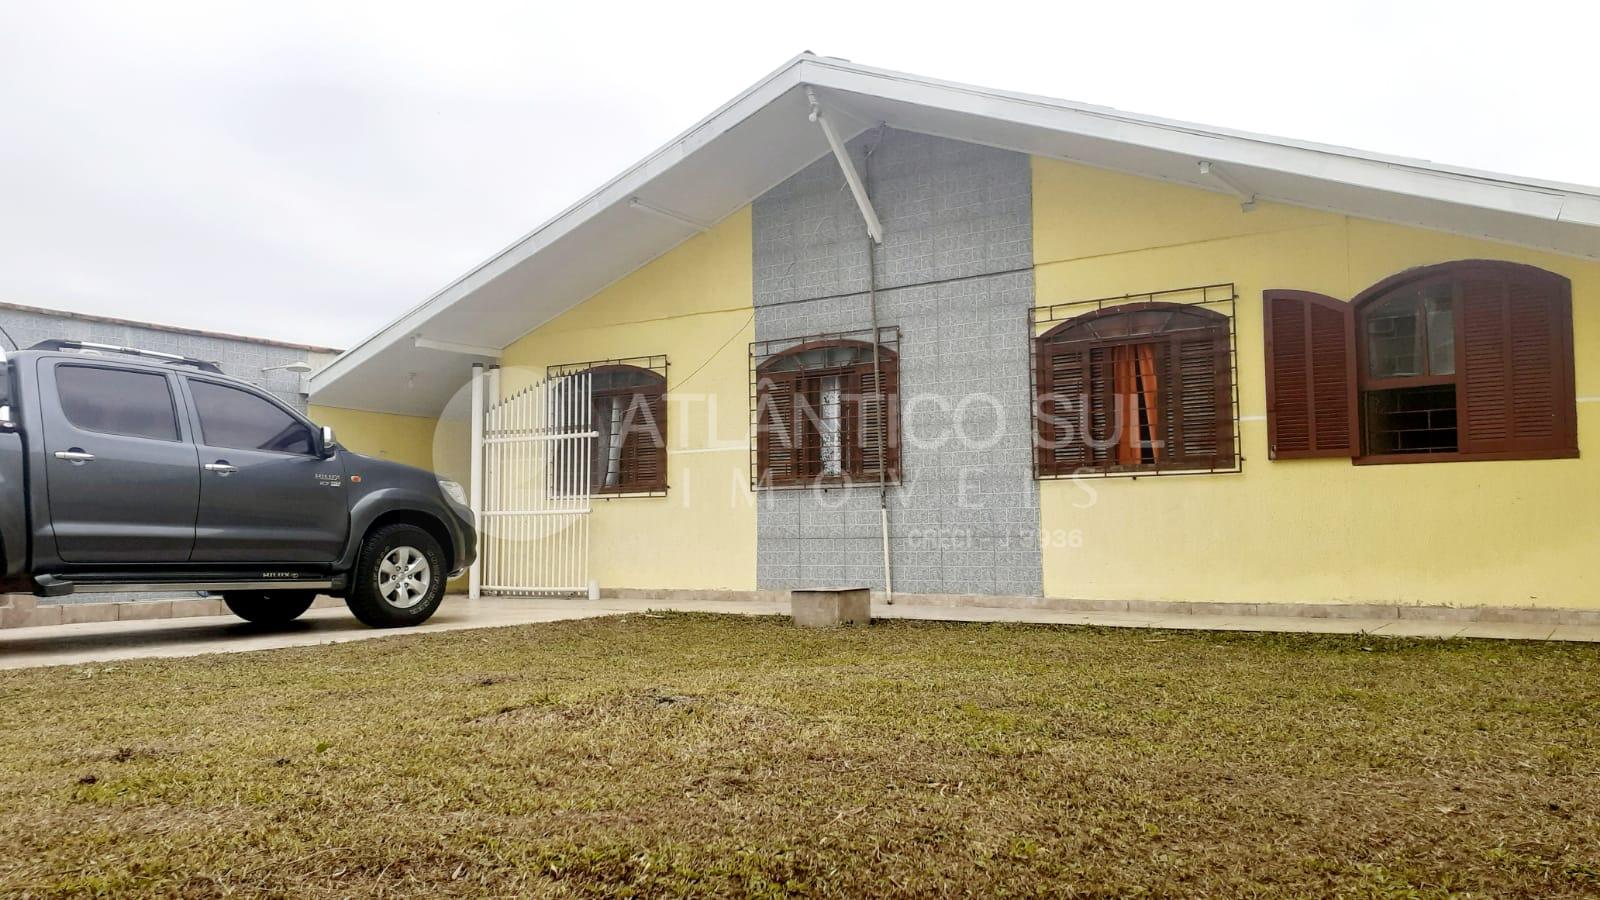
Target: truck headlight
(453,491)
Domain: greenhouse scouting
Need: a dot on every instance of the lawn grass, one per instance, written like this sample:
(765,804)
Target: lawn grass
(678,753)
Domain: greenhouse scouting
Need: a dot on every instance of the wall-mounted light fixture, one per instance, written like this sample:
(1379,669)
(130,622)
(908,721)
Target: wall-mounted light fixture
(299,367)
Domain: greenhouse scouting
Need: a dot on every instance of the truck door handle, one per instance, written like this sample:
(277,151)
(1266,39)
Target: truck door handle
(75,455)
(222,468)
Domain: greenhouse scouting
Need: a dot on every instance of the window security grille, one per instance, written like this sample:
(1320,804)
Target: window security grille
(1136,385)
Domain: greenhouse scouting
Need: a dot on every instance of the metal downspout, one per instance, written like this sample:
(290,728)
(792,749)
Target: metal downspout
(859,189)
(877,379)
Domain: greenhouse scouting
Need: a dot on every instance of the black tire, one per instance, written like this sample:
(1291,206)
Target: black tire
(269,607)
(383,600)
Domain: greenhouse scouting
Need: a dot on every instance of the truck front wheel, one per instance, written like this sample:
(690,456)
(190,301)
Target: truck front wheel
(399,579)
(269,607)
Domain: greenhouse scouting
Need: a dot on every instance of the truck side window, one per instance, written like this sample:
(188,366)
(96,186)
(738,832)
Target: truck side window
(240,420)
(117,401)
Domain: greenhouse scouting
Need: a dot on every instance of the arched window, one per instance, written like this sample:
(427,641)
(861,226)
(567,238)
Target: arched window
(1136,388)
(1462,360)
(822,417)
(1470,358)
(629,414)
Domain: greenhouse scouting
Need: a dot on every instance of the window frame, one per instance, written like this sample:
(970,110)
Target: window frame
(200,438)
(765,356)
(179,436)
(655,367)
(1452,272)
(1211,300)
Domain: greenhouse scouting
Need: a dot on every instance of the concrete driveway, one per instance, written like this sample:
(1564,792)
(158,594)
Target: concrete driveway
(54,645)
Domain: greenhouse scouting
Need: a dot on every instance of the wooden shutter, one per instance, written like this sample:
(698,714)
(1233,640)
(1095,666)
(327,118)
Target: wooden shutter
(644,450)
(1311,376)
(872,412)
(778,450)
(1097,409)
(1196,419)
(1514,363)
(1061,408)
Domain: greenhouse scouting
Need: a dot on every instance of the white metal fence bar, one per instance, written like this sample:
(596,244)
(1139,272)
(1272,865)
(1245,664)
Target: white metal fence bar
(536,449)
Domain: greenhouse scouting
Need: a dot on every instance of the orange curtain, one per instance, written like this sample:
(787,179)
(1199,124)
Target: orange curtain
(1124,380)
(1147,387)
(1134,388)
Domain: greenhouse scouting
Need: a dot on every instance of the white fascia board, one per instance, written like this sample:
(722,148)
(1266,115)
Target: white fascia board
(1549,201)
(1393,175)
(617,190)
(1581,209)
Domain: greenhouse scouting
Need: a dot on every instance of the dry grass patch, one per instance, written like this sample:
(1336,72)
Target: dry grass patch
(687,754)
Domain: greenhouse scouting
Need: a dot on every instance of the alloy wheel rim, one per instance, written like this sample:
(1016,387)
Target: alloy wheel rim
(404,577)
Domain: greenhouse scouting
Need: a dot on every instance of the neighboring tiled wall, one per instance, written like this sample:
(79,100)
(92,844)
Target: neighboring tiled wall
(240,358)
(955,275)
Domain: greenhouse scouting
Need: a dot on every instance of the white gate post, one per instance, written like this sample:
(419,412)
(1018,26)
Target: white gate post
(474,575)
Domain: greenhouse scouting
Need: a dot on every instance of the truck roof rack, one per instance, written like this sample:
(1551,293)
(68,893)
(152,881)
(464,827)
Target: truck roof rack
(169,358)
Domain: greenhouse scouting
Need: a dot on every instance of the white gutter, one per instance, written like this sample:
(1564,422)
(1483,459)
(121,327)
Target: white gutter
(1408,177)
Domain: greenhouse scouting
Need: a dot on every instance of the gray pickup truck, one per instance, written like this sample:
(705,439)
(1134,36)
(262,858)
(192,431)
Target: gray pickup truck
(131,470)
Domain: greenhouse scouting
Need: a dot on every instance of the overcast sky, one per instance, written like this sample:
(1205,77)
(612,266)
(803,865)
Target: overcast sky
(309,171)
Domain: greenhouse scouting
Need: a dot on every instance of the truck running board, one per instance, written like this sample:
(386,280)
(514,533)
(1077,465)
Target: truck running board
(53,586)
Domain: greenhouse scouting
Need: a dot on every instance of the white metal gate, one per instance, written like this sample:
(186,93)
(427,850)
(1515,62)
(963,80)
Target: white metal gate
(531,485)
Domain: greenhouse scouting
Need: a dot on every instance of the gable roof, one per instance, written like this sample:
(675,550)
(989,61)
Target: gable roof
(762,136)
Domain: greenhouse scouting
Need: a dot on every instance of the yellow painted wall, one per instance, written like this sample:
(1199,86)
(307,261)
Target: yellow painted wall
(1510,533)
(404,439)
(692,304)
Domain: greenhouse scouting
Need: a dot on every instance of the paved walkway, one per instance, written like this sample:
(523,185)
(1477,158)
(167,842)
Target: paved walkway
(109,641)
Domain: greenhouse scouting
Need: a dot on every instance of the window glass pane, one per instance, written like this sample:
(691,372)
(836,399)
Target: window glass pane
(829,357)
(608,421)
(116,401)
(1411,420)
(623,378)
(828,421)
(1393,337)
(1440,307)
(233,418)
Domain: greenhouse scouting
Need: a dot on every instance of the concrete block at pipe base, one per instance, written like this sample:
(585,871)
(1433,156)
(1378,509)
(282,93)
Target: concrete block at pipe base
(827,608)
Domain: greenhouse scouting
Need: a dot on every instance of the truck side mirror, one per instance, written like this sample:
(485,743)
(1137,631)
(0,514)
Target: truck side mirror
(329,444)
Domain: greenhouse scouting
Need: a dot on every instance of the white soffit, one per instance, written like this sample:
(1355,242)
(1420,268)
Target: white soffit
(763,136)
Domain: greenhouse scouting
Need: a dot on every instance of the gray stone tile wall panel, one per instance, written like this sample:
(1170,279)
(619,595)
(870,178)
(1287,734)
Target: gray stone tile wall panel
(955,276)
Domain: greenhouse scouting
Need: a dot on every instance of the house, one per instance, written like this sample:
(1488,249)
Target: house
(859,326)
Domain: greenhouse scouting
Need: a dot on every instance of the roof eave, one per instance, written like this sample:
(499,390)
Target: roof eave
(1442,188)
(619,189)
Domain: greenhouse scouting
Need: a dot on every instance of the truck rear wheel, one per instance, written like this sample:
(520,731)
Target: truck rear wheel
(400,578)
(269,607)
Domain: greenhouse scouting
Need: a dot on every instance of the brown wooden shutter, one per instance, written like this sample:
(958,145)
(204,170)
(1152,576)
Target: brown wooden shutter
(644,450)
(1311,376)
(778,450)
(1097,415)
(1196,420)
(873,411)
(1061,415)
(1514,361)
